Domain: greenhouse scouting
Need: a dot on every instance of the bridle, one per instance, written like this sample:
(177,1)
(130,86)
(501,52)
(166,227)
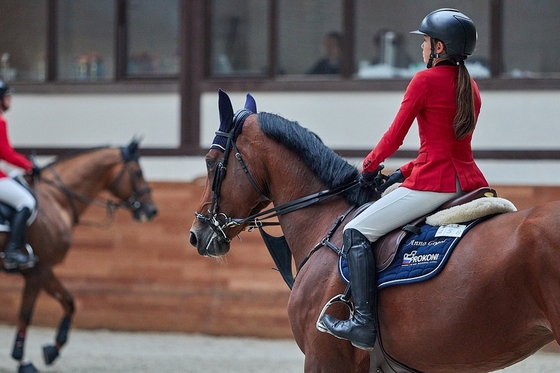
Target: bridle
(219,221)
(132,204)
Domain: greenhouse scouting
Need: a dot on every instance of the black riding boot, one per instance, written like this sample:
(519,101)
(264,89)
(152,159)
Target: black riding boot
(13,257)
(361,329)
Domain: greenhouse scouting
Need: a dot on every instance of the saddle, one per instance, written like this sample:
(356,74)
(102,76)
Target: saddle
(386,247)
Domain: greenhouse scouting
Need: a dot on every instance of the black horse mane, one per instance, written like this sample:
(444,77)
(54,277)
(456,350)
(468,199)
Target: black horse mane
(330,168)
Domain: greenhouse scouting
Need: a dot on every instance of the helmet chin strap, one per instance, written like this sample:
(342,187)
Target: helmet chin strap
(434,55)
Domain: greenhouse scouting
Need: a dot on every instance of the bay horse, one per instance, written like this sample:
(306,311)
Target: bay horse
(495,303)
(64,190)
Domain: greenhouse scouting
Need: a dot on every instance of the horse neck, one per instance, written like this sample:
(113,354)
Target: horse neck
(306,227)
(85,175)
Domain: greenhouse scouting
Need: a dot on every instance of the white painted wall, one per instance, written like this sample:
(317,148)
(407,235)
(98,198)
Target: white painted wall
(90,120)
(524,120)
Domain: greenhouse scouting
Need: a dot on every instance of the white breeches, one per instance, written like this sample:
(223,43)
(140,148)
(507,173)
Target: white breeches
(14,194)
(396,209)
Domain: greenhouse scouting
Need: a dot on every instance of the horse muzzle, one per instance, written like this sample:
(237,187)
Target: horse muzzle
(207,242)
(145,212)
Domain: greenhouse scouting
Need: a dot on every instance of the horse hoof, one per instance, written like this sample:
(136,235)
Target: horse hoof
(27,368)
(50,353)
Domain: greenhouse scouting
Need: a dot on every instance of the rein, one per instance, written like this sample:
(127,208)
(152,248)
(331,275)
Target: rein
(279,250)
(291,206)
(219,222)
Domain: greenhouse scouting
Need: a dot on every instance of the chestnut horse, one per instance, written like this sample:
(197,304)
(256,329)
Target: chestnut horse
(64,190)
(496,302)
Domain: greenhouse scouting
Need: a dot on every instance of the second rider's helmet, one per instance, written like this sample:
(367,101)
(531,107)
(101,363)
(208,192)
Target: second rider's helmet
(4,89)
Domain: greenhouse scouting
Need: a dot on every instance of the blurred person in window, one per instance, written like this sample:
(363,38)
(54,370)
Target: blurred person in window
(330,63)
(13,193)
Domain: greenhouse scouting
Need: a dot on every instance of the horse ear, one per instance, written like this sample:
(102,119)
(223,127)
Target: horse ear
(251,104)
(226,110)
(131,152)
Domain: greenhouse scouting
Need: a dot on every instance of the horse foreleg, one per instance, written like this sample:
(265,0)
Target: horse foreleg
(54,288)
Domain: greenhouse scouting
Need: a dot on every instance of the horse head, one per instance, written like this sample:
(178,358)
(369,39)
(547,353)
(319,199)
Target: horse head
(214,225)
(129,184)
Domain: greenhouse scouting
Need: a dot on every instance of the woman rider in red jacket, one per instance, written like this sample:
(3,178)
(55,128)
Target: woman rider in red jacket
(445,102)
(14,194)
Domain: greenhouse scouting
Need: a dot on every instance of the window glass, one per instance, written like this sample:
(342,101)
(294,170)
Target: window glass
(310,36)
(153,47)
(531,42)
(385,48)
(239,37)
(23,41)
(86,39)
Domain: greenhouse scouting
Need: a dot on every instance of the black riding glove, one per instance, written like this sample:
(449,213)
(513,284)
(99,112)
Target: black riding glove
(371,177)
(35,171)
(395,177)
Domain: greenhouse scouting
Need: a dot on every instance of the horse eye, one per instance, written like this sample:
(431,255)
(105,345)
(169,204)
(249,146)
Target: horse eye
(210,164)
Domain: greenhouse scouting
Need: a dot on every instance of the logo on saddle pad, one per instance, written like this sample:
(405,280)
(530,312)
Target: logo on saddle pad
(413,259)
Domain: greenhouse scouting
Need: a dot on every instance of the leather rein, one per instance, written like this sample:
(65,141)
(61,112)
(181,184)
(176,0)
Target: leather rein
(219,221)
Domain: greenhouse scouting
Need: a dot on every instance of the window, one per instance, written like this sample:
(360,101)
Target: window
(310,36)
(530,38)
(86,36)
(239,37)
(23,41)
(153,32)
(384,48)
(280,40)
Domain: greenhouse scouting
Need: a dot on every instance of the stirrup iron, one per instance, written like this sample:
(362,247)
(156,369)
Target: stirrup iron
(336,299)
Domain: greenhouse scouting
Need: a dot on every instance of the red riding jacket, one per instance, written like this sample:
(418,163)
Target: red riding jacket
(430,99)
(7,152)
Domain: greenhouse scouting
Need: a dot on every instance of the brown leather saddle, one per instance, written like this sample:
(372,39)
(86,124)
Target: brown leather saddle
(386,247)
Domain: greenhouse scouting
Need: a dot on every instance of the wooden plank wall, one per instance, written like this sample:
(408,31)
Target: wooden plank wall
(134,276)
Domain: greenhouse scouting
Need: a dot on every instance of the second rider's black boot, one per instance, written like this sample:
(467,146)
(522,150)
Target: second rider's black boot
(13,257)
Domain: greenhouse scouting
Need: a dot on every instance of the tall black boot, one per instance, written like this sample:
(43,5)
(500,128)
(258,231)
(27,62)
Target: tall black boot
(361,329)
(13,257)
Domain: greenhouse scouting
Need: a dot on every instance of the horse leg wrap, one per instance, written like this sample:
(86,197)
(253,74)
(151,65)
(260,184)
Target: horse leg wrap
(63,329)
(17,352)
(50,353)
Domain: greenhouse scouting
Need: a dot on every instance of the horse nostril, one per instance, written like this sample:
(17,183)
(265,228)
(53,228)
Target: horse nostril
(193,240)
(153,211)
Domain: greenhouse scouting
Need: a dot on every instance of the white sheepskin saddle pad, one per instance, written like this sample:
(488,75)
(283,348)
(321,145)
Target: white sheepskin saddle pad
(471,210)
